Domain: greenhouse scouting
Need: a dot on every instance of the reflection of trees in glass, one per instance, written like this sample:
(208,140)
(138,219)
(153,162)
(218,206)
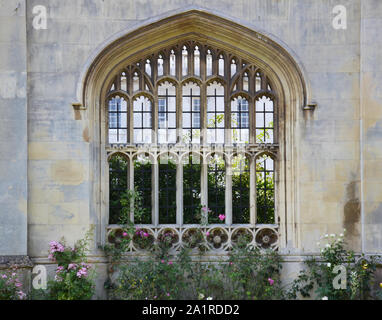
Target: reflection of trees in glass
(265,196)
(216,188)
(265,201)
(240,120)
(214,122)
(264,135)
(142,184)
(191,113)
(117,186)
(264,120)
(240,189)
(167,191)
(191,135)
(215,113)
(191,190)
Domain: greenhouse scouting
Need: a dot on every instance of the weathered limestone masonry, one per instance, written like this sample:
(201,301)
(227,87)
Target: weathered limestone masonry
(48,188)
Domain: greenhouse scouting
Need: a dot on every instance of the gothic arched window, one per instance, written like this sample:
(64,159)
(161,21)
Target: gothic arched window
(193,131)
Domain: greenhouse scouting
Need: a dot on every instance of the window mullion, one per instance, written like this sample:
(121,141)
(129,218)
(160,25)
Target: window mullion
(227,117)
(155,192)
(130,183)
(203,114)
(118,116)
(166,110)
(204,183)
(179,193)
(252,190)
(154,117)
(252,121)
(130,121)
(228,191)
(179,113)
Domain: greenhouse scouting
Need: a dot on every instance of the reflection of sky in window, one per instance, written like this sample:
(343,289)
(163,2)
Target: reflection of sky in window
(240,120)
(191,113)
(264,120)
(117,120)
(142,120)
(166,113)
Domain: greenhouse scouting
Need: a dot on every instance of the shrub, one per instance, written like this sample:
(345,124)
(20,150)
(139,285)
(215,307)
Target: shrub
(379,292)
(319,273)
(10,286)
(248,274)
(74,279)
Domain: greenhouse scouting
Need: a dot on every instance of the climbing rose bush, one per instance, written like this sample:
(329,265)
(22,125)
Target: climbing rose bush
(74,278)
(319,276)
(10,286)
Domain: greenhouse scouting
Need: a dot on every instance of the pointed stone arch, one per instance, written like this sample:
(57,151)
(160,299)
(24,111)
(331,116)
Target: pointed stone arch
(280,65)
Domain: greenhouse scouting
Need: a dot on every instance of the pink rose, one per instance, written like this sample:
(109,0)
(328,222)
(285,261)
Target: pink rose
(221,217)
(59,269)
(83,272)
(271,281)
(21,295)
(124,234)
(72,266)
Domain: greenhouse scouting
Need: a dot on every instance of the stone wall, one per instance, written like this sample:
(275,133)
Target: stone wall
(371,113)
(13,129)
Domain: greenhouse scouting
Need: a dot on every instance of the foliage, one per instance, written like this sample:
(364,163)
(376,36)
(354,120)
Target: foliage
(74,279)
(264,135)
(167,191)
(150,279)
(248,274)
(119,193)
(10,286)
(216,188)
(118,185)
(265,195)
(240,189)
(142,184)
(379,292)
(191,190)
(128,199)
(319,273)
(246,264)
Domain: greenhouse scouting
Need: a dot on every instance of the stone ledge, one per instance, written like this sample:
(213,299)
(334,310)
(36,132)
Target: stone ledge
(21,262)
